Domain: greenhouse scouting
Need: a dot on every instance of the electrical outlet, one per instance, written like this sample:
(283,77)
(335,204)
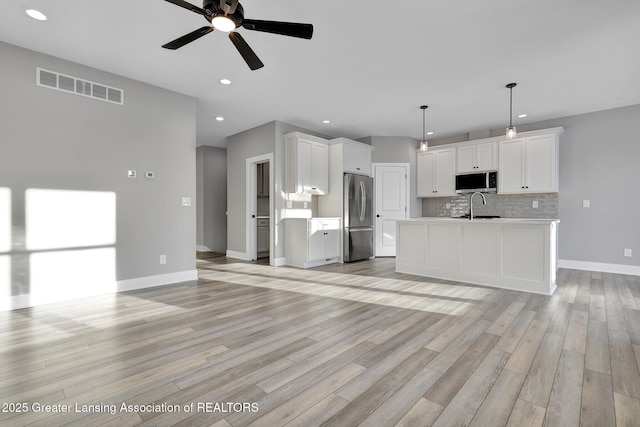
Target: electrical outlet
(163,259)
(535,204)
(586,203)
(186,201)
(627,252)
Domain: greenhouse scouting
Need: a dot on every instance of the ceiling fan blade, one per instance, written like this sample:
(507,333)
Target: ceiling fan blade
(188,6)
(188,38)
(293,29)
(247,53)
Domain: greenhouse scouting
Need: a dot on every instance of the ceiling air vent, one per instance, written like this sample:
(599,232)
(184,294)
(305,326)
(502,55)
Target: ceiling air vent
(70,84)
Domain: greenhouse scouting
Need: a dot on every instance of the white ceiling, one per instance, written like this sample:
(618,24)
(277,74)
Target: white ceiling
(369,65)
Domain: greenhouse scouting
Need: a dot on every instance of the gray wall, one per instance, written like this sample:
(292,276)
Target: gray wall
(54,140)
(599,155)
(211,170)
(241,146)
(257,141)
(398,149)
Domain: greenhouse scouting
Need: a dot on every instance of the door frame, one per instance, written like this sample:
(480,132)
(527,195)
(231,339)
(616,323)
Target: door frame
(251,206)
(374,169)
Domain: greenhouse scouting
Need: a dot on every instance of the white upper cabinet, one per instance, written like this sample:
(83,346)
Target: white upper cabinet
(529,164)
(477,157)
(436,173)
(357,159)
(307,164)
(356,156)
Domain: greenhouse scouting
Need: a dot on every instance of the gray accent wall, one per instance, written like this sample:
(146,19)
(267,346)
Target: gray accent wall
(261,140)
(55,140)
(398,149)
(211,170)
(599,156)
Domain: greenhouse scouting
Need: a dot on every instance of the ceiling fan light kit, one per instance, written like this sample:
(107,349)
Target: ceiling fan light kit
(511,130)
(226,16)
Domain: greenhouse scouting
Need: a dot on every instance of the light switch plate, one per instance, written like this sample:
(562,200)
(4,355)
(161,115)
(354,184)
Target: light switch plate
(163,259)
(150,175)
(131,173)
(186,201)
(586,203)
(627,252)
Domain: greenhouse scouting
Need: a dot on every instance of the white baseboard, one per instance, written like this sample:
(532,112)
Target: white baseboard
(23,301)
(633,270)
(159,280)
(278,262)
(202,248)
(237,255)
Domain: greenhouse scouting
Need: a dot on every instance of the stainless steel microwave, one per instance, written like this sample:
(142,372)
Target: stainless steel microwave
(485,182)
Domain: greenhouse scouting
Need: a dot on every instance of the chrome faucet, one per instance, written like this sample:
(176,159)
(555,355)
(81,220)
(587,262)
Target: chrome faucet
(484,202)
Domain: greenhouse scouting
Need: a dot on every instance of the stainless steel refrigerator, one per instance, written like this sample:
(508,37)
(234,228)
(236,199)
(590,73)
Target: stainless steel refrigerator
(357,217)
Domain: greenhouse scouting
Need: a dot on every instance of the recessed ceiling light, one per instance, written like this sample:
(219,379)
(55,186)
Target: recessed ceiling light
(219,118)
(522,115)
(326,122)
(225,81)
(36,14)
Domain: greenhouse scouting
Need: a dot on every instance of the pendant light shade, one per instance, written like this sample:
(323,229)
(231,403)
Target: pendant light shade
(424,145)
(511,130)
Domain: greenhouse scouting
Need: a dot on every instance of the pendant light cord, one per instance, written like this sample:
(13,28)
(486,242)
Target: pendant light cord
(510,86)
(424,129)
(423,126)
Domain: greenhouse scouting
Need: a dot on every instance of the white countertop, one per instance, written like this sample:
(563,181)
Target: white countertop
(481,220)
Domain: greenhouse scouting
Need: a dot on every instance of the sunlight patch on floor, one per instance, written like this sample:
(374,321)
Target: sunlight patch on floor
(416,295)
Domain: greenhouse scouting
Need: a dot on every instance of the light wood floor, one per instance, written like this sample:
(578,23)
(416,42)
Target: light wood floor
(341,345)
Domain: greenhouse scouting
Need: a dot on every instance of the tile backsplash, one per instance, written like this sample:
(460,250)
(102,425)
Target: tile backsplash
(504,205)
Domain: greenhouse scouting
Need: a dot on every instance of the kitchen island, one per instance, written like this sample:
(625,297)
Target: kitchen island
(510,253)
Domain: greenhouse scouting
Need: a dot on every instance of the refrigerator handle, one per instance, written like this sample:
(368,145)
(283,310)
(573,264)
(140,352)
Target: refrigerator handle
(363,197)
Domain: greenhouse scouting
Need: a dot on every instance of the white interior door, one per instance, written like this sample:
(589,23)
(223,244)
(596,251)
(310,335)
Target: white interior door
(392,189)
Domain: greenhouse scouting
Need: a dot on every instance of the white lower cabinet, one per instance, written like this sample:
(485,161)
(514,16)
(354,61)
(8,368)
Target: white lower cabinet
(310,242)
(263,237)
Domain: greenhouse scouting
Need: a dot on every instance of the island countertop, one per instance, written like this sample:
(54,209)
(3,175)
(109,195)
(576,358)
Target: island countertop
(481,220)
(511,253)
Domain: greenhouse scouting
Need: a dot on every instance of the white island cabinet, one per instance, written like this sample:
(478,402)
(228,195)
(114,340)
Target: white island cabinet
(508,253)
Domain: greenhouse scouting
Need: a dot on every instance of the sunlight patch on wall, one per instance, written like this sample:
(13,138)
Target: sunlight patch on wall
(69,219)
(5,219)
(63,275)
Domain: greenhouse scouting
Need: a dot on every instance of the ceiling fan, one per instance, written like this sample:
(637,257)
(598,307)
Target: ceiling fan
(227,15)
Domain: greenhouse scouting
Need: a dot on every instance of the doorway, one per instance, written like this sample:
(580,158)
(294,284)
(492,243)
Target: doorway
(391,197)
(259,208)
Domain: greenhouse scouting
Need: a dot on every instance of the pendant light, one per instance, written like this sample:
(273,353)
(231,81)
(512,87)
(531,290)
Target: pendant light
(424,144)
(511,130)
